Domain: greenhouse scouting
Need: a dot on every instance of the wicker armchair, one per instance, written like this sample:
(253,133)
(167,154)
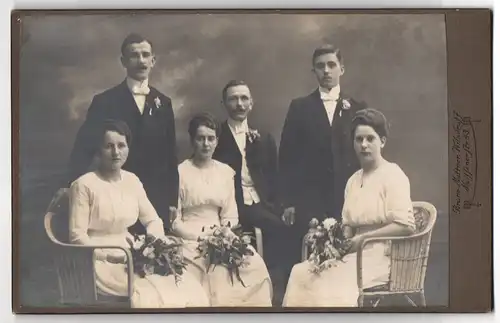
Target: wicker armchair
(74,264)
(408,260)
(409,257)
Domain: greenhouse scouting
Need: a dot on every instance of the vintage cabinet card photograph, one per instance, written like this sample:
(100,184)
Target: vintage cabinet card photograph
(251,161)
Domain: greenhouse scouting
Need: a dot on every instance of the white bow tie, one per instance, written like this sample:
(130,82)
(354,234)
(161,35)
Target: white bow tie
(140,90)
(329,97)
(239,130)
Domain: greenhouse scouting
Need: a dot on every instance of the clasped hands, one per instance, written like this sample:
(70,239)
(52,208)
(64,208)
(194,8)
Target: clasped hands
(121,258)
(353,240)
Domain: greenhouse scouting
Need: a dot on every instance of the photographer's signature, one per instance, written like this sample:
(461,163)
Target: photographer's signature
(464,171)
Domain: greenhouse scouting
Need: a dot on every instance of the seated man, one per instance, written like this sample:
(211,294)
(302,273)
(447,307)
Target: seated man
(253,157)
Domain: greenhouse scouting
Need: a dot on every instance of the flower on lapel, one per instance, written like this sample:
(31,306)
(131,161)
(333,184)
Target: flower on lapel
(346,105)
(253,135)
(157,102)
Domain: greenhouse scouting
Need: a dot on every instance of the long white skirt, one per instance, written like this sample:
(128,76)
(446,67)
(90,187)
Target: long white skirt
(217,282)
(336,286)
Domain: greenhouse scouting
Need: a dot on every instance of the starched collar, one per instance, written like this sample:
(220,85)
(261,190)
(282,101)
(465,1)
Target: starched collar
(138,87)
(238,127)
(332,95)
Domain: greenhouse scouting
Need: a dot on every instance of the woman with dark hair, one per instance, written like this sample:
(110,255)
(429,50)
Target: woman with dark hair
(206,198)
(104,203)
(377,203)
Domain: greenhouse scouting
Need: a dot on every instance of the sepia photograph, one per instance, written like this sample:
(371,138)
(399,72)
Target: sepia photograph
(259,161)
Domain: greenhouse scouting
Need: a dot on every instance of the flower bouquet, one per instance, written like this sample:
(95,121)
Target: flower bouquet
(226,246)
(327,243)
(157,256)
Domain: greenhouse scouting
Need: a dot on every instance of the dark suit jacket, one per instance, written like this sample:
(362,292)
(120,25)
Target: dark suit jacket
(315,158)
(152,156)
(261,161)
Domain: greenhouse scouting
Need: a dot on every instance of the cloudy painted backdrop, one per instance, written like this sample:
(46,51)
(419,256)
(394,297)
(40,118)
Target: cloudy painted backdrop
(396,63)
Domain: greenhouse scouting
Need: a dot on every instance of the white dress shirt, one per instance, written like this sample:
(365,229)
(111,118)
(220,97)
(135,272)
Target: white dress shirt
(330,99)
(139,90)
(239,131)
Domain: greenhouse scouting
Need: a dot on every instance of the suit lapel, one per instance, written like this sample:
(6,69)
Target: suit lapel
(229,139)
(228,148)
(338,111)
(255,162)
(319,115)
(342,116)
(131,106)
(128,101)
(151,107)
(341,127)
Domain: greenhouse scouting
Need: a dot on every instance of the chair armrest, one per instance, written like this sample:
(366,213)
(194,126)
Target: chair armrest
(392,238)
(259,241)
(364,242)
(55,202)
(305,249)
(128,261)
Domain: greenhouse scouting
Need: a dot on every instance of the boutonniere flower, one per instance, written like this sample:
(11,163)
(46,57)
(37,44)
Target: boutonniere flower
(157,102)
(253,135)
(346,105)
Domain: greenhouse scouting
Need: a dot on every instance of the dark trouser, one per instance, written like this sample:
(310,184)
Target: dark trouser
(275,240)
(318,206)
(274,231)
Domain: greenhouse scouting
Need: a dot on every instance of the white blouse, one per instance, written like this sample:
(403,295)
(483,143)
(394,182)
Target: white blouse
(379,198)
(101,212)
(206,196)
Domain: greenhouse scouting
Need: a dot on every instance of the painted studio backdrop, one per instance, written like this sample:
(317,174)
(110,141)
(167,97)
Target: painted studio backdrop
(396,63)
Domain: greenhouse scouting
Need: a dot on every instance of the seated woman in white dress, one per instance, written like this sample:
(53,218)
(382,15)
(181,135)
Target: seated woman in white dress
(207,198)
(377,203)
(103,204)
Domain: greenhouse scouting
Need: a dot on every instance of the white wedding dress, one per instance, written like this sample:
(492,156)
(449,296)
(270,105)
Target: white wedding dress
(100,214)
(206,198)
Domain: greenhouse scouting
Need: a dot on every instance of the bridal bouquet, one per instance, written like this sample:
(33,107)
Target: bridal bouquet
(327,243)
(226,246)
(157,256)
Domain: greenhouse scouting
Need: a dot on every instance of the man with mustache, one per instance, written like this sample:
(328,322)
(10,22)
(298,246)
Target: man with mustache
(150,117)
(316,155)
(253,156)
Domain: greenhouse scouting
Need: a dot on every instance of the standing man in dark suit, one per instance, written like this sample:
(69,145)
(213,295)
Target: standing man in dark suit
(316,156)
(254,158)
(150,117)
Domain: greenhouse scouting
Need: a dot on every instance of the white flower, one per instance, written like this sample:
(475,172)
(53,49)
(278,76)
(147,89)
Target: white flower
(345,104)
(246,239)
(157,102)
(253,135)
(329,223)
(147,251)
(138,243)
